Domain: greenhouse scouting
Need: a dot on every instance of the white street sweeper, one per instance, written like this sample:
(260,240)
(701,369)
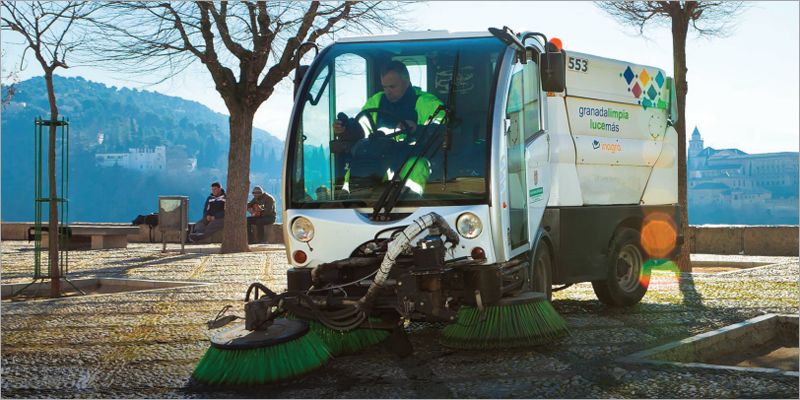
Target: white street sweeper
(459,177)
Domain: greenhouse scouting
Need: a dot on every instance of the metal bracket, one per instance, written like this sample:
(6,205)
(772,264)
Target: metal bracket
(480,305)
(219,321)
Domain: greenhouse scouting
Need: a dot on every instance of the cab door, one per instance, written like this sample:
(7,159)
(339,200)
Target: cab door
(537,149)
(515,124)
(528,149)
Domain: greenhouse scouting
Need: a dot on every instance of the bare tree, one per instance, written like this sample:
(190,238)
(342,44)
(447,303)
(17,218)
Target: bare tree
(45,27)
(707,18)
(248,48)
(10,79)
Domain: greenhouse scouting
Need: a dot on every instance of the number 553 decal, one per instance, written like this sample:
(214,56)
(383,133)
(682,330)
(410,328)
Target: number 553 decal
(578,64)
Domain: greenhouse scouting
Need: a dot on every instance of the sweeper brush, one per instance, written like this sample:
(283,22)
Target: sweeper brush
(280,339)
(286,349)
(522,321)
(346,342)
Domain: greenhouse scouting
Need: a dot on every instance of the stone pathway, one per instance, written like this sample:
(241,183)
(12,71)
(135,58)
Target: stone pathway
(146,344)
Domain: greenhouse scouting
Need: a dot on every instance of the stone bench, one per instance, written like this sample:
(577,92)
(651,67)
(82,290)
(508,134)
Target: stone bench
(102,237)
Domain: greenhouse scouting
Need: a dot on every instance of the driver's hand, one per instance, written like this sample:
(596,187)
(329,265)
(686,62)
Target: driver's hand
(411,125)
(338,129)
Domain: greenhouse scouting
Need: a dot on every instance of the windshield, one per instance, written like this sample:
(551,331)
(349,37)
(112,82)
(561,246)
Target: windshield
(375,110)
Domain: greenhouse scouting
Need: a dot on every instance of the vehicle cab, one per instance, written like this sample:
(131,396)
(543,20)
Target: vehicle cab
(474,181)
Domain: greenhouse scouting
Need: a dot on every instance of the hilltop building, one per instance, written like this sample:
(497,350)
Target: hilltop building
(157,158)
(144,159)
(733,177)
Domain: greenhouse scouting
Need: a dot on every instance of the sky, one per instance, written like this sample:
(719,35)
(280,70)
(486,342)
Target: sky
(743,89)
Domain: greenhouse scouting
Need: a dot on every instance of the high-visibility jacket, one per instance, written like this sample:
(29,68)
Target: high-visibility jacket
(415,105)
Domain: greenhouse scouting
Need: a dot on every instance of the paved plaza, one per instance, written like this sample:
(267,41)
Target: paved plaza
(146,344)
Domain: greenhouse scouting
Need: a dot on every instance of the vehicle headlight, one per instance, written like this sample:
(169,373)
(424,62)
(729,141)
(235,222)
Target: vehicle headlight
(302,229)
(469,225)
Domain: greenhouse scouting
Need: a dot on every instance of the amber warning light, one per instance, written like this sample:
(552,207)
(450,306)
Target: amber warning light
(556,42)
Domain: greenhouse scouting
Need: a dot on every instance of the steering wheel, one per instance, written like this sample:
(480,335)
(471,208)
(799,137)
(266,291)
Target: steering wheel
(405,127)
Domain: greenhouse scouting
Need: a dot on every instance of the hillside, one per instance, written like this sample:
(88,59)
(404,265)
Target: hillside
(110,120)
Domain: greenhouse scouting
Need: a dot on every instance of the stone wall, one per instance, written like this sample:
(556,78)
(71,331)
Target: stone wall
(19,231)
(780,240)
(754,240)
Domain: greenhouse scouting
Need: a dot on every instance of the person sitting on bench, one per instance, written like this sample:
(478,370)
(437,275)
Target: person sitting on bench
(262,214)
(213,215)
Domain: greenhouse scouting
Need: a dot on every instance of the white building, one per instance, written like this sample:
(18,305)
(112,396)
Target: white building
(146,159)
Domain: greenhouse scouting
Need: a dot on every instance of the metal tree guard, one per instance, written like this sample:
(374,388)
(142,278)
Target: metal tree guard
(40,201)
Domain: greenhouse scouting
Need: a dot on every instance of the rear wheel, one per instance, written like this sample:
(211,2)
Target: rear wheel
(627,276)
(542,271)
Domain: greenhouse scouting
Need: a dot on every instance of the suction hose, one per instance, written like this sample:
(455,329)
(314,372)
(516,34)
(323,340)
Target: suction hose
(397,246)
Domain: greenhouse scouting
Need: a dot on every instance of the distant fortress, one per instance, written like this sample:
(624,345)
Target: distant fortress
(735,178)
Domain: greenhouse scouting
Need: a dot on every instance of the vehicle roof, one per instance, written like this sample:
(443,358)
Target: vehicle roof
(415,35)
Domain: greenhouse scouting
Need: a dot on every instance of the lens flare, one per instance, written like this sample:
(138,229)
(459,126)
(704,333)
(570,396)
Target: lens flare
(659,235)
(664,281)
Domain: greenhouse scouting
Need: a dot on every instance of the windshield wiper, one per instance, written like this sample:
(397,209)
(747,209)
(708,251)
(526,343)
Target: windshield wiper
(395,188)
(451,102)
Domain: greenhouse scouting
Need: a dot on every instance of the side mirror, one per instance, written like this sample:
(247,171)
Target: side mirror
(553,71)
(299,73)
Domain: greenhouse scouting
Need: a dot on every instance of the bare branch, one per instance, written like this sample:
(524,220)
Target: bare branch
(179,26)
(221,19)
(707,18)
(46,28)
(254,27)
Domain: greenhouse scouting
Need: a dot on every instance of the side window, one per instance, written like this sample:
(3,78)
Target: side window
(312,159)
(515,140)
(351,84)
(532,107)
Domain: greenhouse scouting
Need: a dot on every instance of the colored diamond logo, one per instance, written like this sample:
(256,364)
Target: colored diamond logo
(637,91)
(628,75)
(660,79)
(646,103)
(652,92)
(644,77)
(661,104)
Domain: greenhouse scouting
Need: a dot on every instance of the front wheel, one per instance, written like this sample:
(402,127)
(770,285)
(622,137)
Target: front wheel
(627,276)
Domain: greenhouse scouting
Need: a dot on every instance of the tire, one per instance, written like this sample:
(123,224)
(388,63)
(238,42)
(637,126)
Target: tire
(628,274)
(542,271)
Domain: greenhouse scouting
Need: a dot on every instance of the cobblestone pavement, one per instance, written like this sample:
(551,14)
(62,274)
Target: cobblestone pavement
(146,344)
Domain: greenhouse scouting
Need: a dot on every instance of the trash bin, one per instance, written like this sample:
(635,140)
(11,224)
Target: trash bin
(173,215)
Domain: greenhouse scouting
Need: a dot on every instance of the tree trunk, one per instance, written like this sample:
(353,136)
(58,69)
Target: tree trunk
(238,185)
(55,272)
(680,25)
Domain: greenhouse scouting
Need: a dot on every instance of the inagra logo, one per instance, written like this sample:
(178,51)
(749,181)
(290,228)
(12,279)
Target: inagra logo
(613,148)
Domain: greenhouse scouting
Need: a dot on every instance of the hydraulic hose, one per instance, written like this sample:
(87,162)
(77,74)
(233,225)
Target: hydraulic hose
(397,246)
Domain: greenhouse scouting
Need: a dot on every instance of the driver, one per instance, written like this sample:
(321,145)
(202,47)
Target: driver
(414,105)
(409,102)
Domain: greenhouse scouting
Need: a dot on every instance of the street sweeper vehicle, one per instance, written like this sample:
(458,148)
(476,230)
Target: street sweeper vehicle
(456,178)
